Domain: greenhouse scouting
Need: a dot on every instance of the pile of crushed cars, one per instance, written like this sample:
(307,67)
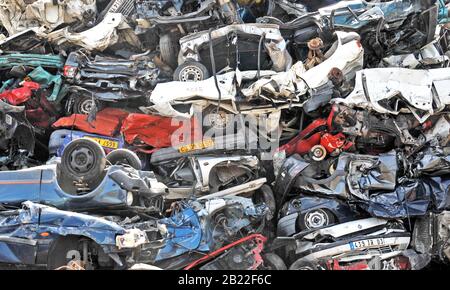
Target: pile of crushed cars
(224,134)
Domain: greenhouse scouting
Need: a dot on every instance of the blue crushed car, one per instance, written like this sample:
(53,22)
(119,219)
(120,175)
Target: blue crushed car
(196,228)
(38,235)
(81,181)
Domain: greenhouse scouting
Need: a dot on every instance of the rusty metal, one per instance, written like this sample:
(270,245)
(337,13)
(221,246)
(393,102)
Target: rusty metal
(315,55)
(336,76)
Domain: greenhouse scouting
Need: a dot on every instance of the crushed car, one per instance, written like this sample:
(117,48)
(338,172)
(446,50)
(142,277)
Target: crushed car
(42,236)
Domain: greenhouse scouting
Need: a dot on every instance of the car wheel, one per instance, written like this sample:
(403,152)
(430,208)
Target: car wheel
(219,120)
(83,159)
(62,251)
(318,153)
(303,265)
(124,156)
(84,105)
(273,262)
(265,195)
(315,218)
(169,50)
(191,71)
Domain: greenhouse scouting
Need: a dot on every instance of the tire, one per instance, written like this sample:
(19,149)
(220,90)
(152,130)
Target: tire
(84,104)
(218,120)
(303,265)
(265,194)
(318,153)
(83,160)
(169,50)
(124,156)
(273,262)
(315,219)
(62,251)
(191,71)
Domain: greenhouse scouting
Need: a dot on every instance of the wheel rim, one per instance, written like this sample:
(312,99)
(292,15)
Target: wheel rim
(219,120)
(318,153)
(82,160)
(85,107)
(316,219)
(191,74)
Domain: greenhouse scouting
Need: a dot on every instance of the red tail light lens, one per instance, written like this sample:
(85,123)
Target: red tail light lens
(70,71)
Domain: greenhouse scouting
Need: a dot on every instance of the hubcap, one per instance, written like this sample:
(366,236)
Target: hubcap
(316,219)
(82,160)
(318,152)
(191,74)
(86,106)
(219,120)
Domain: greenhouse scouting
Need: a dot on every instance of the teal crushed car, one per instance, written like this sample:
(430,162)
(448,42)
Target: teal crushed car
(43,69)
(33,60)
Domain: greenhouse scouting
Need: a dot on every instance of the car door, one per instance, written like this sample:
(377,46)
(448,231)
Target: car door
(19,185)
(16,244)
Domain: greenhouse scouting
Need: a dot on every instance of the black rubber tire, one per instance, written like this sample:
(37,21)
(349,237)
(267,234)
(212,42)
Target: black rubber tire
(265,194)
(59,250)
(302,265)
(169,49)
(273,262)
(124,156)
(81,153)
(302,223)
(81,105)
(192,68)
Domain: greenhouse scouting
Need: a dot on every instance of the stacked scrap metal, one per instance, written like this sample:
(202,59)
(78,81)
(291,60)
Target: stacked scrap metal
(224,134)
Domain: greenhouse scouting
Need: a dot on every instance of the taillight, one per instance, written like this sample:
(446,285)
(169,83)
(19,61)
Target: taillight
(70,71)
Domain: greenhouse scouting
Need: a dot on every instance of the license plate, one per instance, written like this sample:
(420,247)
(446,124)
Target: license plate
(196,146)
(105,142)
(367,243)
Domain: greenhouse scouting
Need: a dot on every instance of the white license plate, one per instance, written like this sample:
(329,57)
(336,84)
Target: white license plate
(367,243)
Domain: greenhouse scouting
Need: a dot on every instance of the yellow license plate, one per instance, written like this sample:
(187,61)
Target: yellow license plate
(105,142)
(196,146)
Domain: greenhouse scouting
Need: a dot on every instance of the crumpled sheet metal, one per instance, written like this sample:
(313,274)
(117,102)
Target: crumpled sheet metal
(155,131)
(111,30)
(184,233)
(347,57)
(47,79)
(432,164)
(107,122)
(16,16)
(380,173)
(166,94)
(20,95)
(354,177)
(424,91)
(40,78)
(190,229)
(276,44)
(377,189)
(35,60)
(412,198)
(47,219)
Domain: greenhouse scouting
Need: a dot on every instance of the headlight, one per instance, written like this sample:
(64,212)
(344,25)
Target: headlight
(130,198)
(131,239)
